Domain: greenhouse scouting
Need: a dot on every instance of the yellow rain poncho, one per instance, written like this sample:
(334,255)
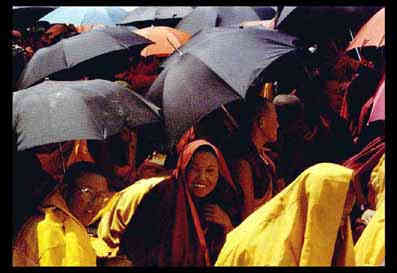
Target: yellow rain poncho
(53,238)
(370,248)
(299,226)
(115,217)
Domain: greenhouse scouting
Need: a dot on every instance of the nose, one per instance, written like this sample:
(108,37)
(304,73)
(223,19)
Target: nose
(202,175)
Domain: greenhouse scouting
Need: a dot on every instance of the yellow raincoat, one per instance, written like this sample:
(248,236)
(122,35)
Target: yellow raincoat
(298,227)
(115,217)
(370,248)
(53,238)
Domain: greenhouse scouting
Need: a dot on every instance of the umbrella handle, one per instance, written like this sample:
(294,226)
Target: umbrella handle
(63,161)
(230,117)
(177,50)
(358,53)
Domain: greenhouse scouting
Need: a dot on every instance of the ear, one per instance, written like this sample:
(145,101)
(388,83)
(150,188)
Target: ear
(261,121)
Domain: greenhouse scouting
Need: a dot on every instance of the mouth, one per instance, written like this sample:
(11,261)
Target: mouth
(199,186)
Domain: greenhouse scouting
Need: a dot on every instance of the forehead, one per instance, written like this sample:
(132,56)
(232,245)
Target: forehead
(204,158)
(92,180)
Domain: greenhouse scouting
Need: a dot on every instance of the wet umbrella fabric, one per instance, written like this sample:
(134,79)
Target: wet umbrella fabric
(25,16)
(56,111)
(321,23)
(190,91)
(372,33)
(86,15)
(205,17)
(146,16)
(87,52)
(238,56)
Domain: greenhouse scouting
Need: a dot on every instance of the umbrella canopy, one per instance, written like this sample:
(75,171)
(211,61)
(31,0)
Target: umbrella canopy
(25,16)
(98,51)
(158,16)
(86,15)
(165,39)
(319,23)
(190,90)
(206,17)
(372,33)
(265,12)
(378,106)
(57,111)
(239,56)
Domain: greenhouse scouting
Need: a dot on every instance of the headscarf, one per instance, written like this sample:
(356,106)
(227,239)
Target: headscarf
(182,240)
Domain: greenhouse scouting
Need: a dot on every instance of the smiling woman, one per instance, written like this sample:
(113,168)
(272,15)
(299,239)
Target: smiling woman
(190,211)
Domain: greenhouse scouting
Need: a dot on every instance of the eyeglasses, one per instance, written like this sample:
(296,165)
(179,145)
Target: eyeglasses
(90,195)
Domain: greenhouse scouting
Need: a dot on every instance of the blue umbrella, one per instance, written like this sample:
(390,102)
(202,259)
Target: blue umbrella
(86,15)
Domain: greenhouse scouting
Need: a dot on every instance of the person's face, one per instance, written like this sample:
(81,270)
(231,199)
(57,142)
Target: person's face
(269,124)
(88,197)
(202,174)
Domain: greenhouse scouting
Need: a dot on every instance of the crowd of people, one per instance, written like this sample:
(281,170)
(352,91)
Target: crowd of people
(291,177)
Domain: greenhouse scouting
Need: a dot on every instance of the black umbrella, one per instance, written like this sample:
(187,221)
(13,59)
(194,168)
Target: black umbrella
(97,52)
(239,56)
(321,23)
(57,111)
(190,90)
(205,17)
(265,12)
(158,16)
(25,16)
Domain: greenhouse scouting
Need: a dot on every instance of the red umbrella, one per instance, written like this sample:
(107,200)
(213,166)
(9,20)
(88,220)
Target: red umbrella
(372,33)
(378,107)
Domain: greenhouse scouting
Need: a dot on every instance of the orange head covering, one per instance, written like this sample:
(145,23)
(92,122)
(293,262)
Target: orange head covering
(175,236)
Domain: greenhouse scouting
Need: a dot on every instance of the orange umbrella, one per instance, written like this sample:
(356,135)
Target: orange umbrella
(166,40)
(372,33)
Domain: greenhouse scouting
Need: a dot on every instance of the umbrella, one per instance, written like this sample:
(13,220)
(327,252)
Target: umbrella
(25,16)
(239,56)
(206,17)
(378,106)
(265,12)
(321,23)
(190,91)
(57,111)
(98,51)
(372,33)
(86,15)
(165,39)
(158,16)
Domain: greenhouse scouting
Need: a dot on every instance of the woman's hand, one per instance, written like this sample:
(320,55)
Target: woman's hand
(213,213)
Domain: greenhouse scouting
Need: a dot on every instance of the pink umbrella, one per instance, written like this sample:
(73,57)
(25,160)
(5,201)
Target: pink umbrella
(378,107)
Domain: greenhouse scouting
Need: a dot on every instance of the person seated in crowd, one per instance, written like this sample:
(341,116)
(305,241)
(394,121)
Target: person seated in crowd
(141,73)
(179,220)
(306,224)
(292,160)
(56,235)
(253,169)
(53,158)
(57,32)
(115,156)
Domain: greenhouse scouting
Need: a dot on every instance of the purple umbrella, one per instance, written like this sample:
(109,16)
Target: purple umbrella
(378,107)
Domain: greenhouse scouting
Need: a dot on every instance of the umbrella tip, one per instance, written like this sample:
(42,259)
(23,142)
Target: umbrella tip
(312,49)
